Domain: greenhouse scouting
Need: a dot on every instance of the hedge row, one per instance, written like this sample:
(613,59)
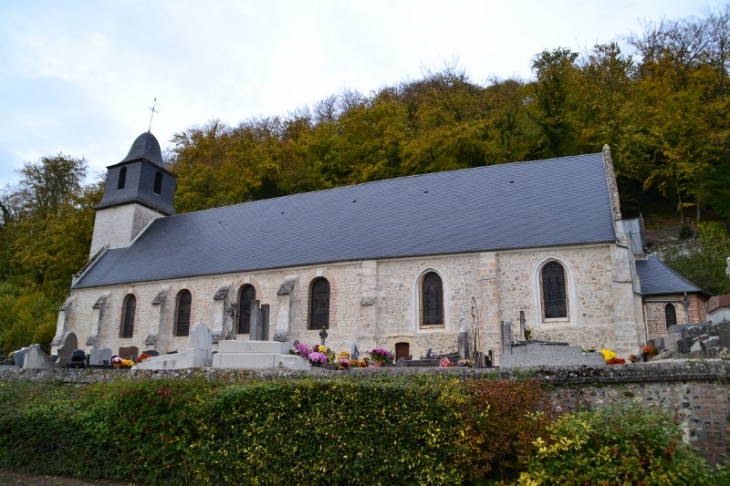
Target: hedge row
(427,429)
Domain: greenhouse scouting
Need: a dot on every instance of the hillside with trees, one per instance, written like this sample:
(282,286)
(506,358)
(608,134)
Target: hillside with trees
(663,107)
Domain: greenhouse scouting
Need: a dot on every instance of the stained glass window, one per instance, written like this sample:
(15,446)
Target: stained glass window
(129,307)
(248,293)
(432,300)
(554,301)
(670,315)
(319,304)
(182,323)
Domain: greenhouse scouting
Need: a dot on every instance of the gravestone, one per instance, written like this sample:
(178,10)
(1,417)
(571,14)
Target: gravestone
(542,353)
(684,345)
(19,356)
(78,359)
(37,359)
(201,343)
(101,356)
(659,343)
(430,354)
(256,329)
(463,343)
(723,330)
(265,309)
(67,347)
(523,326)
(695,330)
(129,352)
(198,355)
(506,331)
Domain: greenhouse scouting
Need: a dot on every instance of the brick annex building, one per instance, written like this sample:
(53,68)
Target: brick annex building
(403,264)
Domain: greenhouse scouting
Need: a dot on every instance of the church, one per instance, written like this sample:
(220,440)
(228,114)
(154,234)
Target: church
(403,264)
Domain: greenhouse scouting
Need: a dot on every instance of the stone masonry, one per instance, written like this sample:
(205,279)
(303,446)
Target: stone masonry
(375,303)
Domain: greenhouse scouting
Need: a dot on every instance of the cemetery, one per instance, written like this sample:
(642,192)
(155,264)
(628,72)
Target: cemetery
(686,377)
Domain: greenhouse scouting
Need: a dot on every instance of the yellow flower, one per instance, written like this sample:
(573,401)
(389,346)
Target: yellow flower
(608,354)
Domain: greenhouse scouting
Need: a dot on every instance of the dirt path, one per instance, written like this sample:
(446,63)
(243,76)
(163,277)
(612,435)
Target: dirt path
(8,478)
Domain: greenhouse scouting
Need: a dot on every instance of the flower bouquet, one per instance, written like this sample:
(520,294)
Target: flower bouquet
(648,352)
(381,355)
(465,362)
(118,363)
(317,359)
(608,355)
(301,349)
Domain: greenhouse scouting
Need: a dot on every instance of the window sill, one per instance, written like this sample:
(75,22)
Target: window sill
(432,328)
(558,323)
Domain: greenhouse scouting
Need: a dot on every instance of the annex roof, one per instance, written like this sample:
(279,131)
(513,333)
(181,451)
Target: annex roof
(553,202)
(657,278)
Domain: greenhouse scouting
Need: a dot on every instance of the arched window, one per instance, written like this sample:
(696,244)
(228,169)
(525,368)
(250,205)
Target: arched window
(247,294)
(128,308)
(554,296)
(432,300)
(122,178)
(670,315)
(182,317)
(158,183)
(319,304)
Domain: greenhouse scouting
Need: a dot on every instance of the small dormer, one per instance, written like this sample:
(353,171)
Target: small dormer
(138,190)
(141,178)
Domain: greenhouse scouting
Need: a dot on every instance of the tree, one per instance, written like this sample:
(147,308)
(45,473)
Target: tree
(553,105)
(43,242)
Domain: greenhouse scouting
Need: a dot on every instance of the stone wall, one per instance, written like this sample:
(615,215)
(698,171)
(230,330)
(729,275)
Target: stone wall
(375,303)
(696,391)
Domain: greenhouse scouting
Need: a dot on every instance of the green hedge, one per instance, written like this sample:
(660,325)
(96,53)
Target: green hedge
(350,429)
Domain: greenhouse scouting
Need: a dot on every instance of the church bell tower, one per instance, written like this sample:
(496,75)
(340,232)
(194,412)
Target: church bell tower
(138,190)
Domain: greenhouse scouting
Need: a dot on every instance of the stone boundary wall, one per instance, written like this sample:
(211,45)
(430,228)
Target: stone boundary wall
(698,392)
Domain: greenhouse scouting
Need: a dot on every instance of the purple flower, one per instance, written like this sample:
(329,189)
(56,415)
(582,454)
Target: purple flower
(317,357)
(303,350)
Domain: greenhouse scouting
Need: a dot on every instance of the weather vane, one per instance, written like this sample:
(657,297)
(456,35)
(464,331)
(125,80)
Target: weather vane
(152,113)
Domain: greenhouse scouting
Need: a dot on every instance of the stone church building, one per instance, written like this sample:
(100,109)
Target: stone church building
(403,264)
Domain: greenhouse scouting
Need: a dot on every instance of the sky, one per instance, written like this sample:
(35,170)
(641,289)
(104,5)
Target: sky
(78,77)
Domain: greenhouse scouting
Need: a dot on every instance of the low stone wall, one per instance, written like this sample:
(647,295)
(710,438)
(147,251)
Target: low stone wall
(698,392)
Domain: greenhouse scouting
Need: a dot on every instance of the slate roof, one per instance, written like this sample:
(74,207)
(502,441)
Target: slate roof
(657,278)
(141,165)
(146,147)
(544,203)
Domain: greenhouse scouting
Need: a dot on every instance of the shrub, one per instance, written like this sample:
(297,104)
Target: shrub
(337,431)
(39,432)
(505,418)
(626,443)
(140,430)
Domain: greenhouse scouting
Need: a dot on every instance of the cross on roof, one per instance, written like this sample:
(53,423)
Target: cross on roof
(152,113)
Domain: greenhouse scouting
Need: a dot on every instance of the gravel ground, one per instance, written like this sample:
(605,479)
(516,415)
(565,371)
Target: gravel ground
(8,478)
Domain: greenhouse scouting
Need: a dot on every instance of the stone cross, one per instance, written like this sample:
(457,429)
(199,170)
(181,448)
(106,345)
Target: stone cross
(323,336)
